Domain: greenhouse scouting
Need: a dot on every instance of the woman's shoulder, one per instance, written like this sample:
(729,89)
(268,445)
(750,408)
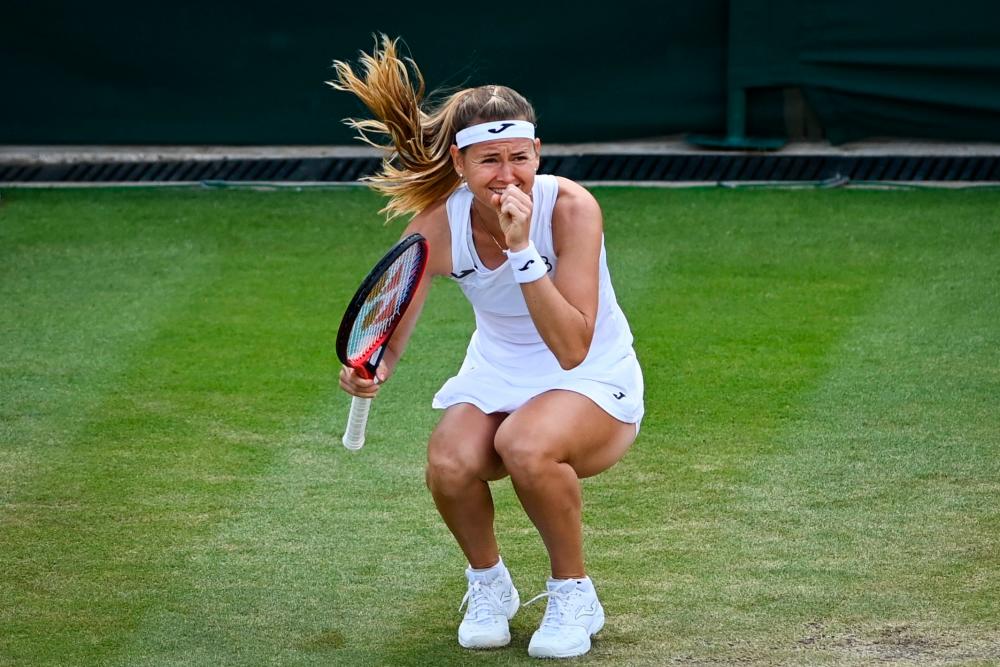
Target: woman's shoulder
(432,224)
(429,219)
(576,203)
(574,198)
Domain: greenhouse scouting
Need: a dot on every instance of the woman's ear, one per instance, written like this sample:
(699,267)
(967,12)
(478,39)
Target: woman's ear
(457,160)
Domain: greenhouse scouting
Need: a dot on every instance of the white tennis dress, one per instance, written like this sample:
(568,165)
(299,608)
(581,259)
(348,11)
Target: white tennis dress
(507,362)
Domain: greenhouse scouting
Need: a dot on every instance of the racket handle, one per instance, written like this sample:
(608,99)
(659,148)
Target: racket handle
(354,436)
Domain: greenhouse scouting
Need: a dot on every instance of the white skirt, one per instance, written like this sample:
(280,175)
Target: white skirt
(615,385)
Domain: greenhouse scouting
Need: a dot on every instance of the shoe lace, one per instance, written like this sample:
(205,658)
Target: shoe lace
(558,610)
(483,601)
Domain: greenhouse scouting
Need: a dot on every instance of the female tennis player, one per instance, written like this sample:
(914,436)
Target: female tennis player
(550,390)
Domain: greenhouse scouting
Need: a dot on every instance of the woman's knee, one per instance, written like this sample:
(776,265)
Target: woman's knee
(523,448)
(446,470)
(454,460)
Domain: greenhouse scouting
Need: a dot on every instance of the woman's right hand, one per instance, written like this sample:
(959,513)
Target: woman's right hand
(356,385)
(513,209)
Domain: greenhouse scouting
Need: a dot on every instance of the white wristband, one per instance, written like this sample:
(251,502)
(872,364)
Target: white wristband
(527,265)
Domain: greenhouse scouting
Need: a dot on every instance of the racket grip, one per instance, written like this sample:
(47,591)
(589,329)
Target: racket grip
(354,436)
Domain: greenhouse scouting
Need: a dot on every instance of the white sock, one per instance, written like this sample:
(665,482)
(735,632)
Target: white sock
(584,583)
(488,573)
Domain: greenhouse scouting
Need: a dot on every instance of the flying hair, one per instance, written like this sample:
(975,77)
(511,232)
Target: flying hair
(416,170)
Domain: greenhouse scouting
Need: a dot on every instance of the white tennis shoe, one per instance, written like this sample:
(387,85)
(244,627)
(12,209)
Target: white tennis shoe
(572,617)
(491,600)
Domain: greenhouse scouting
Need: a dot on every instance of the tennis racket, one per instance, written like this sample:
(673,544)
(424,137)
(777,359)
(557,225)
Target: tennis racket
(372,316)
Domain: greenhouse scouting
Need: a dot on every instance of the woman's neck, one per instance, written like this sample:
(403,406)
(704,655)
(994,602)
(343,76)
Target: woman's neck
(487,220)
(489,226)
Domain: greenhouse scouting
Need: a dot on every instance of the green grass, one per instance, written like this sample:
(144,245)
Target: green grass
(816,481)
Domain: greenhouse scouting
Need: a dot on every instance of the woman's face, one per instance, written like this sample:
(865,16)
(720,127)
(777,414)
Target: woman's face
(489,167)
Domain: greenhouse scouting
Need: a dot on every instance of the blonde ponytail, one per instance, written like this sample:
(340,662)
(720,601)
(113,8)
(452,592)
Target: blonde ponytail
(417,170)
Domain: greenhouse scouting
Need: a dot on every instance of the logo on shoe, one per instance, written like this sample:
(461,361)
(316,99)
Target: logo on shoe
(587,611)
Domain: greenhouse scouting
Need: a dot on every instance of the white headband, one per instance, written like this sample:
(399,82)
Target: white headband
(500,129)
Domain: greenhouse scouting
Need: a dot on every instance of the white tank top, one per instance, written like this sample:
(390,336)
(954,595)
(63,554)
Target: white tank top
(505,336)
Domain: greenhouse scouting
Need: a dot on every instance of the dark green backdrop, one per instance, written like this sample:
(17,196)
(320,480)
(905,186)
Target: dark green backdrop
(876,67)
(252,73)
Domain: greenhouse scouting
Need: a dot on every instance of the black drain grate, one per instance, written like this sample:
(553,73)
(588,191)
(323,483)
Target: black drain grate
(595,168)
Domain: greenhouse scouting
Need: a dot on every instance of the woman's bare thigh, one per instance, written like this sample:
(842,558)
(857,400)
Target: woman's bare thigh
(571,428)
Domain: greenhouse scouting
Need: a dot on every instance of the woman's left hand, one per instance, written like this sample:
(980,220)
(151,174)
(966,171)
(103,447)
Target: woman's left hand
(514,209)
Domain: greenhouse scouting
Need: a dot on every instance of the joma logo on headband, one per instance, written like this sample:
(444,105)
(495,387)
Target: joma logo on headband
(492,130)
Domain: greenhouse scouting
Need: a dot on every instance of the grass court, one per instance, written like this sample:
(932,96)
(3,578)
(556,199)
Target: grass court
(817,479)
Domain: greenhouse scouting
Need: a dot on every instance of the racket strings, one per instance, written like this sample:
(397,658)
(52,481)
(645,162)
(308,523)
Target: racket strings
(381,308)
